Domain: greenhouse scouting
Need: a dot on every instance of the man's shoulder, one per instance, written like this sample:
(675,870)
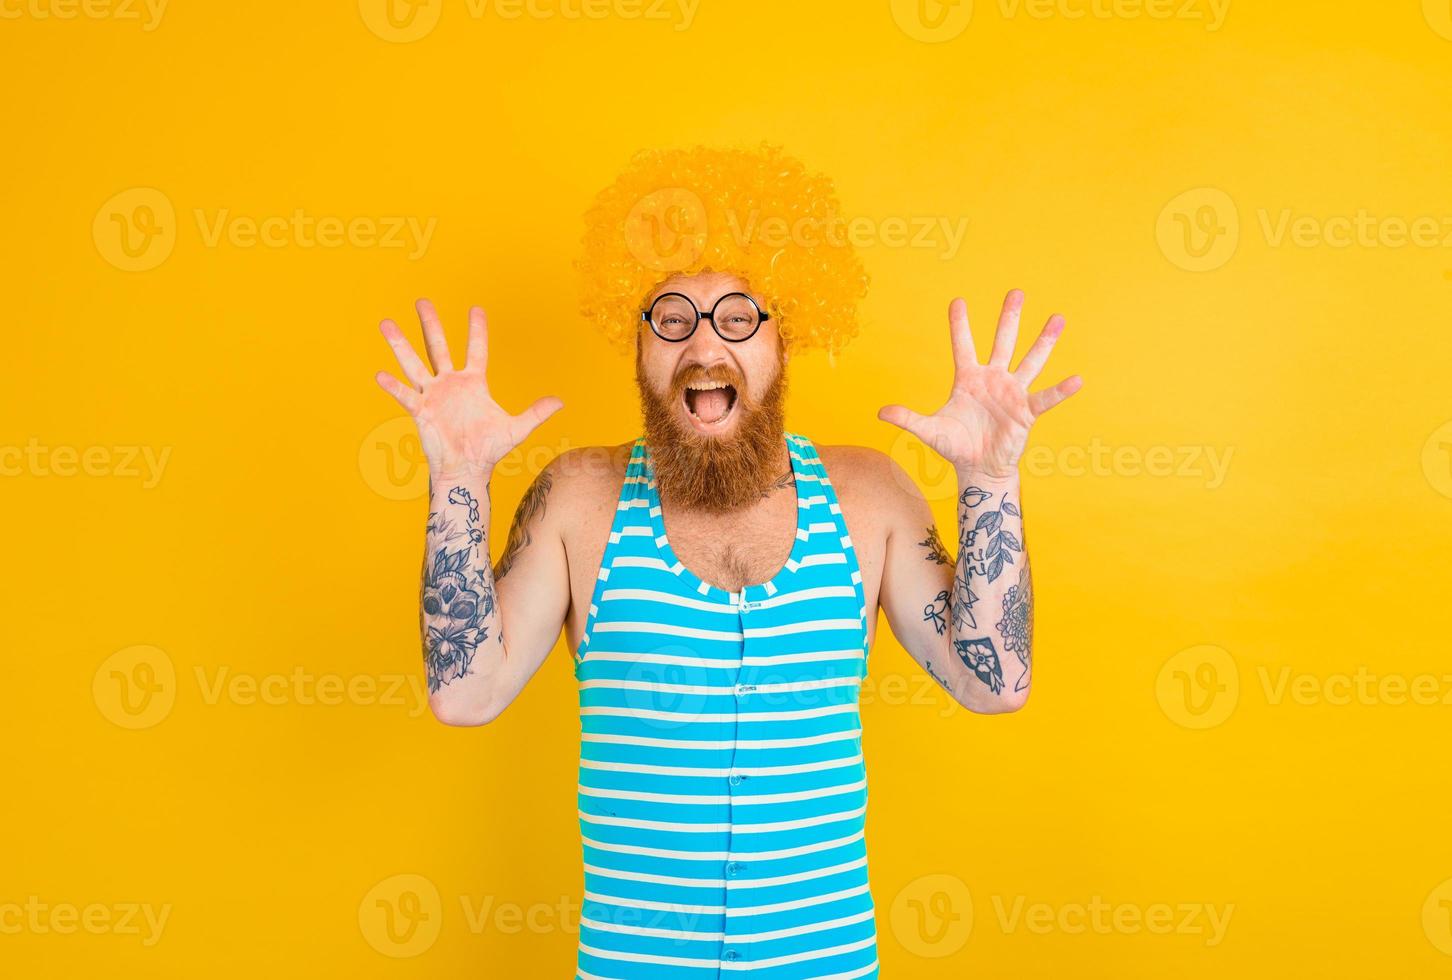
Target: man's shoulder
(864,474)
(858,468)
(577,489)
(586,470)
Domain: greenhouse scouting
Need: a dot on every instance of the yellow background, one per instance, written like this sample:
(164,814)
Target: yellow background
(281,540)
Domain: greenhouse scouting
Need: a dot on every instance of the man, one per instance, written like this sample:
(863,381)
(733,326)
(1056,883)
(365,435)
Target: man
(719,580)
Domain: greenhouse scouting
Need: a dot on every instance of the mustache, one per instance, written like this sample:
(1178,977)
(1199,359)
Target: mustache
(696,372)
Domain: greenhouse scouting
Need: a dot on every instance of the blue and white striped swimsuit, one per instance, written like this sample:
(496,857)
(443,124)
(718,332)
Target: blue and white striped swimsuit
(722,792)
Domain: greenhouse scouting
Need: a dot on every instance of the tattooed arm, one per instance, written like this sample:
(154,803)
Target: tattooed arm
(976,630)
(475,666)
(473,672)
(966,618)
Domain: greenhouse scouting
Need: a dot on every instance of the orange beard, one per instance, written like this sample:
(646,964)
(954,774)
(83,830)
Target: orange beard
(693,471)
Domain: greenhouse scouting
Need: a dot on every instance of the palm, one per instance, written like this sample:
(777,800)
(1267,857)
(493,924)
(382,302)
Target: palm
(983,427)
(458,420)
(461,427)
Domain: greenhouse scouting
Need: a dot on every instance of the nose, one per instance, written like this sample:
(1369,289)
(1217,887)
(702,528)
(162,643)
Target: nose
(705,346)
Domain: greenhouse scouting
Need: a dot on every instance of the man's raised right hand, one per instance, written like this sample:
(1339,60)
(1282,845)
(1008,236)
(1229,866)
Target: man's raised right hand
(463,430)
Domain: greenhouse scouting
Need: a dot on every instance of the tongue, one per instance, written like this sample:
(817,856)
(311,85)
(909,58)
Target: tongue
(711,405)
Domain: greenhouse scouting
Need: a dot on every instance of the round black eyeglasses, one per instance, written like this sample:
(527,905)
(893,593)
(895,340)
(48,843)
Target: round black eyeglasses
(735,317)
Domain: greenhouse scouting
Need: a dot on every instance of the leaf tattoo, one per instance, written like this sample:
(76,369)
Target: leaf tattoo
(937,553)
(989,545)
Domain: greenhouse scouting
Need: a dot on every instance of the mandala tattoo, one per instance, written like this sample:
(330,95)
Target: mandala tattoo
(1017,625)
(981,658)
(457,599)
(530,505)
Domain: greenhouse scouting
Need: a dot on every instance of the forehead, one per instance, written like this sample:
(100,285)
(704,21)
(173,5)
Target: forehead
(704,288)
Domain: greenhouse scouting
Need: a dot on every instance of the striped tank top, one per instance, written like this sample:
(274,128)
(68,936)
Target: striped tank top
(722,792)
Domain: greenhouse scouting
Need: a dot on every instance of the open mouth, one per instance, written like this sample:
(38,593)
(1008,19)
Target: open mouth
(709,403)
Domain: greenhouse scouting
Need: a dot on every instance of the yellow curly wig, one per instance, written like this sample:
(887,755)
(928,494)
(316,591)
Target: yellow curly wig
(758,214)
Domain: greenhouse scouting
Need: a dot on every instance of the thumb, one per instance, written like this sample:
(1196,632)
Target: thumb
(904,418)
(531,418)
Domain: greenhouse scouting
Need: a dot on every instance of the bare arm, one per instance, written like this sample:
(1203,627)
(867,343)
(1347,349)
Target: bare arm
(968,618)
(481,640)
(486,630)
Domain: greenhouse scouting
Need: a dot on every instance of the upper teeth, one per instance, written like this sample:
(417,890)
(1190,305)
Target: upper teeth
(707,385)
